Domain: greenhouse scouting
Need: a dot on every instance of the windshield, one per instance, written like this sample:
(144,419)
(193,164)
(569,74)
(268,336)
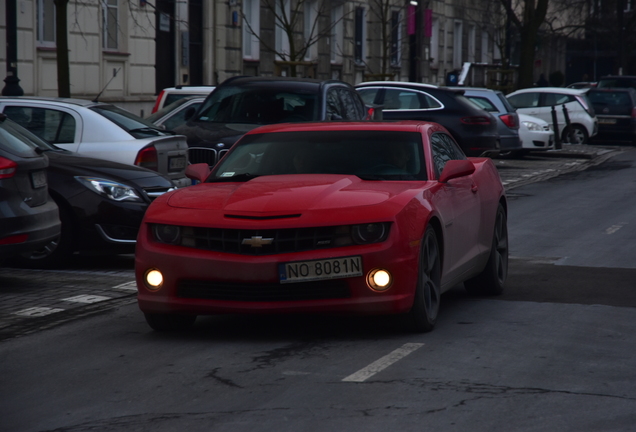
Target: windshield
(260,105)
(370,155)
(134,125)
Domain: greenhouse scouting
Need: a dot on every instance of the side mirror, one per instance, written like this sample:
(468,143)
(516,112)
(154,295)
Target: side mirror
(199,171)
(456,168)
(374,112)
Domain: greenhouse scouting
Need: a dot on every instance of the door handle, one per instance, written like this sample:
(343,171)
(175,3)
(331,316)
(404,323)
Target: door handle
(474,188)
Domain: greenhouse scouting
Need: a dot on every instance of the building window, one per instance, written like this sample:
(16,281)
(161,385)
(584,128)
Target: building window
(471,44)
(251,29)
(457,45)
(46,22)
(435,44)
(396,39)
(283,19)
(486,57)
(110,12)
(311,29)
(360,30)
(336,40)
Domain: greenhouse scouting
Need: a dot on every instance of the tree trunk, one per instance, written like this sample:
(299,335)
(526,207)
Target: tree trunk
(61,41)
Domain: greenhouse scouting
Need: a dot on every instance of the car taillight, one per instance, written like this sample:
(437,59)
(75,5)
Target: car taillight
(158,101)
(20,238)
(7,168)
(509,120)
(475,120)
(147,158)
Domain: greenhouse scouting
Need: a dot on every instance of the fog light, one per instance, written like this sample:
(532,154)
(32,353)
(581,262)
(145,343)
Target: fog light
(154,279)
(379,279)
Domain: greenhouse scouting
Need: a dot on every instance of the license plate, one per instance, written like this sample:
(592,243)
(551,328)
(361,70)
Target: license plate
(38,179)
(333,268)
(606,121)
(176,163)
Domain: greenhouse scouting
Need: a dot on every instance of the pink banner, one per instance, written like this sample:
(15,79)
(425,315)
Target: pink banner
(410,22)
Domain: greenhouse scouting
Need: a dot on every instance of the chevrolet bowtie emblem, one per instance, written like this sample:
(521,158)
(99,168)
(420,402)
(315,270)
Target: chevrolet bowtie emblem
(257,241)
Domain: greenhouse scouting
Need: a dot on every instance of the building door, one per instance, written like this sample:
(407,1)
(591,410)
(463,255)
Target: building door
(165,63)
(195,19)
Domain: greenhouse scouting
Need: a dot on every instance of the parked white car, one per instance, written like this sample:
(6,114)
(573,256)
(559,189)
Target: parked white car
(538,102)
(535,134)
(102,131)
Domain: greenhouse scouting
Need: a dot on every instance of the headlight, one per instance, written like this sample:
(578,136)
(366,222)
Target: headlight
(369,233)
(110,189)
(170,234)
(532,126)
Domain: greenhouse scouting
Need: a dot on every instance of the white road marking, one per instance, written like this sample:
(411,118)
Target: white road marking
(127,286)
(614,228)
(383,363)
(37,311)
(86,299)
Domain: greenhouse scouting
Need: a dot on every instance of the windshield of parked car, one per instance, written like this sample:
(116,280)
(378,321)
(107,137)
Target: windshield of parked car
(15,137)
(370,155)
(259,105)
(134,125)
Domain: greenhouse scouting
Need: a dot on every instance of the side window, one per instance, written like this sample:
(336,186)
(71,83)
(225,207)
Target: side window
(51,125)
(551,99)
(444,149)
(334,111)
(352,107)
(368,95)
(179,118)
(407,100)
(483,103)
(524,100)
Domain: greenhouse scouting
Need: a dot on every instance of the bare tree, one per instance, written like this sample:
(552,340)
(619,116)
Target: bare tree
(382,13)
(61,41)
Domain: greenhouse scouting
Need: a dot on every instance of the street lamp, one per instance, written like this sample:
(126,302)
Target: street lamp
(12,87)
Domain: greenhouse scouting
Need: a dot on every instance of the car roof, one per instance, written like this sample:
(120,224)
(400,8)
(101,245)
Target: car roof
(562,90)
(186,88)
(53,100)
(396,83)
(237,80)
(403,126)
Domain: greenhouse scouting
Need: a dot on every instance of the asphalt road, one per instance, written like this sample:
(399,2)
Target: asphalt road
(554,352)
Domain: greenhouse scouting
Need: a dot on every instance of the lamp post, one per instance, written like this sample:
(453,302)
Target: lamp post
(12,86)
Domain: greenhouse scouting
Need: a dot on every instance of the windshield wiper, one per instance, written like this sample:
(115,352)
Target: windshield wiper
(237,178)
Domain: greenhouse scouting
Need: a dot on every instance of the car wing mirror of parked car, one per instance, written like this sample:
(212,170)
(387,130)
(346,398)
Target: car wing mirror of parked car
(199,171)
(456,168)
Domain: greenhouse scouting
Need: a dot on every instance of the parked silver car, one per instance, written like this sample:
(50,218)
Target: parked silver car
(102,131)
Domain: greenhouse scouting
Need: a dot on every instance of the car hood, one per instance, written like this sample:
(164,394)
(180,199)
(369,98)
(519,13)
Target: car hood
(288,194)
(204,134)
(73,164)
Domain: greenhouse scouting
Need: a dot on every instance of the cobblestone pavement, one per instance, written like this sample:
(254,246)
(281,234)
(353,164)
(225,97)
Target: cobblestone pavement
(33,300)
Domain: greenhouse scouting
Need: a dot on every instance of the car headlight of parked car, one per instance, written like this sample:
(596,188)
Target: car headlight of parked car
(369,233)
(532,126)
(110,189)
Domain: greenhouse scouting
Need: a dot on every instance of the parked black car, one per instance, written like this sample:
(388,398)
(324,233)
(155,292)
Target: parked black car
(241,104)
(474,129)
(28,216)
(101,203)
(616,113)
(617,81)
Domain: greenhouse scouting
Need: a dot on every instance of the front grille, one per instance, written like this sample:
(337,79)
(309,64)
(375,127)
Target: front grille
(315,290)
(157,191)
(206,155)
(264,242)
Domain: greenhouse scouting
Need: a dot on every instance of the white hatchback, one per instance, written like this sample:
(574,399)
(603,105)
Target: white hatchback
(540,101)
(535,134)
(102,131)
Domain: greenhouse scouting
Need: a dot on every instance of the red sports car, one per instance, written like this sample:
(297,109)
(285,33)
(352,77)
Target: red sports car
(372,218)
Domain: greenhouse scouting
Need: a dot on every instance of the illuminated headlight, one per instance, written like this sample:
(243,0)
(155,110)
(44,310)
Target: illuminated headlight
(170,234)
(110,189)
(369,233)
(379,279)
(532,126)
(153,279)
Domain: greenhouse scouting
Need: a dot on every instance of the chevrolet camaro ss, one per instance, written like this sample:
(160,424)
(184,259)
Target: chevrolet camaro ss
(353,218)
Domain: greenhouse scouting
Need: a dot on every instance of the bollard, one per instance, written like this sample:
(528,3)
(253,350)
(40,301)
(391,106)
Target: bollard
(572,139)
(557,135)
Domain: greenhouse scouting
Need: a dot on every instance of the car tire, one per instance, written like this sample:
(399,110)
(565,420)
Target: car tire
(423,314)
(55,253)
(492,279)
(164,322)
(578,133)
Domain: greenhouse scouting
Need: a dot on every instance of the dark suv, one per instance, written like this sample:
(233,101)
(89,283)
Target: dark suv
(616,113)
(474,129)
(241,104)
